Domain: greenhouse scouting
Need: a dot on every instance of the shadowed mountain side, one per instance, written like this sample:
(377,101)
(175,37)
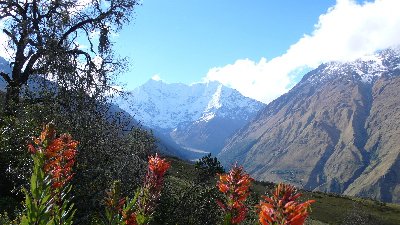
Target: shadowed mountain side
(336,131)
(380,177)
(209,135)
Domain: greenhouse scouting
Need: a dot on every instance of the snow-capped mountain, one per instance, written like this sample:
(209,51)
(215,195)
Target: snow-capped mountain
(337,131)
(366,69)
(198,117)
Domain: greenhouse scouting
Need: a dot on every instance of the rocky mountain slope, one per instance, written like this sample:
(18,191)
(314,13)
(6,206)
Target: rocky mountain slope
(199,117)
(337,131)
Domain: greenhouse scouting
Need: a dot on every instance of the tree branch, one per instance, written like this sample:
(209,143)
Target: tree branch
(7,4)
(83,23)
(29,68)
(13,38)
(81,52)
(74,28)
(35,23)
(5,77)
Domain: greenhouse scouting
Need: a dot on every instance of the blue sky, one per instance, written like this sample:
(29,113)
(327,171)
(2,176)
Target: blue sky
(182,39)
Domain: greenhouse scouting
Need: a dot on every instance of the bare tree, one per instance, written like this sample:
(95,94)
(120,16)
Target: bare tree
(47,38)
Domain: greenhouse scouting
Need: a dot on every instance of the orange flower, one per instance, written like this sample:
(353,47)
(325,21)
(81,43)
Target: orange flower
(283,208)
(59,155)
(48,133)
(235,185)
(31,149)
(153,183)
(130,219)
(223,188)
(158,166)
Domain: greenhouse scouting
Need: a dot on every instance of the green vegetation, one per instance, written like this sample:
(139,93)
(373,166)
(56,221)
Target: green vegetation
(53,79)
(42,38)
(328,208)
(208,166)
(190,197)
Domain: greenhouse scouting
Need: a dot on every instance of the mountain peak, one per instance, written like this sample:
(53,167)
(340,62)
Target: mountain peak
(365,69)
(158,104)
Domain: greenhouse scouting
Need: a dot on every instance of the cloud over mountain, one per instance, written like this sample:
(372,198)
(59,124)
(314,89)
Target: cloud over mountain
(345,32)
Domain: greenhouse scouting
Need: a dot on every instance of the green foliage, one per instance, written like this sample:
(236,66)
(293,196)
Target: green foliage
(15,163)
(45,45)
(184,202)
(113,205)
(117,207)
(38,199)
(355,216)
(117,157)
(208,167)
(108,151)
(6,220)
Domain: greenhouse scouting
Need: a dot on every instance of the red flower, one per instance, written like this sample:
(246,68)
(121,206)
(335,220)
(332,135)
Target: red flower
(283,207)
(130,219)
(235,185)
(153,183)
(31,149)
(158,166)
(59,155)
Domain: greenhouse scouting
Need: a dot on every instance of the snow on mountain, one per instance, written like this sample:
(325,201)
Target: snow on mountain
(157,104)
(366,69)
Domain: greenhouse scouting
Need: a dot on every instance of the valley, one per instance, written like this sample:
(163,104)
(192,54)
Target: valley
(333,132)
(197,118)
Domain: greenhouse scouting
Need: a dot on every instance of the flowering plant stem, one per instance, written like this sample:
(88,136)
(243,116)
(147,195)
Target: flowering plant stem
(235,186)
(47,202)
(138,210)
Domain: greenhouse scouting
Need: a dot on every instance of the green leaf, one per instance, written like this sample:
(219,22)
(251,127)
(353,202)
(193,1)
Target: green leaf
(24,221)
(141,219)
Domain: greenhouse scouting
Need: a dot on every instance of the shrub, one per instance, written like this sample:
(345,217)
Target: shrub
(185,202)
(208,167)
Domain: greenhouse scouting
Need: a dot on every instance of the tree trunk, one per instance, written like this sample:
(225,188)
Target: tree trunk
(12,99)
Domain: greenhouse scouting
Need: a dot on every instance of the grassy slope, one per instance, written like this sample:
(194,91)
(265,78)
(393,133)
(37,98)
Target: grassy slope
(328,209)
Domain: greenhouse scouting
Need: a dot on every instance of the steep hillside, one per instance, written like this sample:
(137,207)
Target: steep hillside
(335,131)
(198,118)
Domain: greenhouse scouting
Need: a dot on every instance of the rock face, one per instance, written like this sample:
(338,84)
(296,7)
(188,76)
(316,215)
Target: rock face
(336,131)
(199,117)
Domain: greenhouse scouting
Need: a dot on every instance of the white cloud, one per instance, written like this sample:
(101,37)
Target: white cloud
(6,52)
(347,31)
(156,77)
(252,79)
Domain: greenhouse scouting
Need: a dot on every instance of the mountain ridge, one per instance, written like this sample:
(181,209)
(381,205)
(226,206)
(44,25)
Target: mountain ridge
(322,135)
